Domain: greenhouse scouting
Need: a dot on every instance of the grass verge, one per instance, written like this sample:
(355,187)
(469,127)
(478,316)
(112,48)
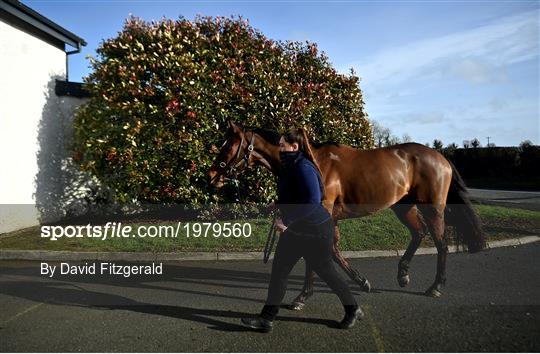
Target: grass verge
(381,231)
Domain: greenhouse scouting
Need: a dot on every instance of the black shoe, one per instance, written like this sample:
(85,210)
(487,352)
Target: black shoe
(350,318)
(258,323)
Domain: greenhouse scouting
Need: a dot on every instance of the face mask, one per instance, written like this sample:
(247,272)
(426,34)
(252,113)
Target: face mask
(288,156)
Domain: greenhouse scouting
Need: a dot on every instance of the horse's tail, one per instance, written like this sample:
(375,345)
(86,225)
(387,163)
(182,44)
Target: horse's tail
(460,214)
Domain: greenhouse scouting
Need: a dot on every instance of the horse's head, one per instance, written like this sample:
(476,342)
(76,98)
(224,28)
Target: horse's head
(235,155)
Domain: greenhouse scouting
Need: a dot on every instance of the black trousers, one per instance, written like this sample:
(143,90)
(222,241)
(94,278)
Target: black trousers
(317,250)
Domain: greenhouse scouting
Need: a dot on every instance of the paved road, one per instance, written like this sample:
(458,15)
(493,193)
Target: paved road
(491,303)
(519,199)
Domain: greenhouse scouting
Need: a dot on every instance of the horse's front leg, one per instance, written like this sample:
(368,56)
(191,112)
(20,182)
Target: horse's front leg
(307,291)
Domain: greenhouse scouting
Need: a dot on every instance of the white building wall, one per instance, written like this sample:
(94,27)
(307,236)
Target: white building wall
(29,67)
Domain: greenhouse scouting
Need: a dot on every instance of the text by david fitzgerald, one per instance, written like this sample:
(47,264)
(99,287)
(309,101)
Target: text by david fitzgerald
(102,268)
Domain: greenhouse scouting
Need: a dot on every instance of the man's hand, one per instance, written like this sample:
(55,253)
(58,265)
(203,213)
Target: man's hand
(279,226)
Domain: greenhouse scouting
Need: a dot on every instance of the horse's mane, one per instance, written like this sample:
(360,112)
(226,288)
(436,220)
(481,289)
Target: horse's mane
(273,136)
(317,145)
(270,135)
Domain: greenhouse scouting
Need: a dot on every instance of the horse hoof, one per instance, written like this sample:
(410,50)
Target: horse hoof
(432,292)
(404,281)
(366,286)
(297,306)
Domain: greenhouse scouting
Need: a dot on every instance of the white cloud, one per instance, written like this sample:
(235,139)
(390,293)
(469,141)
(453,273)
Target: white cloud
(427,118)
(507,122)
(424,88)
(480,51)
(477,71)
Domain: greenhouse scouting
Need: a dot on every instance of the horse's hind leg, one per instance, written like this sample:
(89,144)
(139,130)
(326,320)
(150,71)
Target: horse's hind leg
(307,291)
(300,301)
(353,274)
(408,215)
(434,216)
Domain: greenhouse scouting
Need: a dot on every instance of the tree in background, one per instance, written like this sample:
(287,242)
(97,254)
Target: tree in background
(449,150)
(497,167)
(475,143)
(383,136)
(452,146)
(162,94)
(437,144)
(406,138)
(525,144)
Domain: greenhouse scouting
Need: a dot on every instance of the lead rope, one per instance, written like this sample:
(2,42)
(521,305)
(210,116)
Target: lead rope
(270,239)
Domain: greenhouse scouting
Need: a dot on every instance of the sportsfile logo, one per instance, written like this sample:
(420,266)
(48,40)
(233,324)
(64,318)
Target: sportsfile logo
(109,230)
(117,230)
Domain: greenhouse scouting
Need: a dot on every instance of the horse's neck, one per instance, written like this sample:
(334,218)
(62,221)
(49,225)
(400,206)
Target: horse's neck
(270,153)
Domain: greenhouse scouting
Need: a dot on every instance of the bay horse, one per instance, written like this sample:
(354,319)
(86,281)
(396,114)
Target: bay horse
(421,187)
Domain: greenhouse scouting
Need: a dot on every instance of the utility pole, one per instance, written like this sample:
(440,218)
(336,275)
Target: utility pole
(488,140)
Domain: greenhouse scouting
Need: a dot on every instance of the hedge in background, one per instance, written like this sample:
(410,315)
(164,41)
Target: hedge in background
(163,92)
(498,167)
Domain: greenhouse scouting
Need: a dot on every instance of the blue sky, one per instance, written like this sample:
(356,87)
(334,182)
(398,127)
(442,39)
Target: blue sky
(451,70)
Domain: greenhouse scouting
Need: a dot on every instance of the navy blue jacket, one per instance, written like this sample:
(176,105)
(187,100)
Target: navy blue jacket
(300,190)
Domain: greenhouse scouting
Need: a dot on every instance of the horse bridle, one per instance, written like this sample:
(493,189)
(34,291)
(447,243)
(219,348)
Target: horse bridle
(270,240)
(234,163)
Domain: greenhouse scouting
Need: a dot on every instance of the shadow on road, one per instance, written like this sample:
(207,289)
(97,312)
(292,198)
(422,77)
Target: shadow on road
(68,291)
(205,276)
(69,295)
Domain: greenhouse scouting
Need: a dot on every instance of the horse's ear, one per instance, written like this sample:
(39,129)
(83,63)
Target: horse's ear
(232,127)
